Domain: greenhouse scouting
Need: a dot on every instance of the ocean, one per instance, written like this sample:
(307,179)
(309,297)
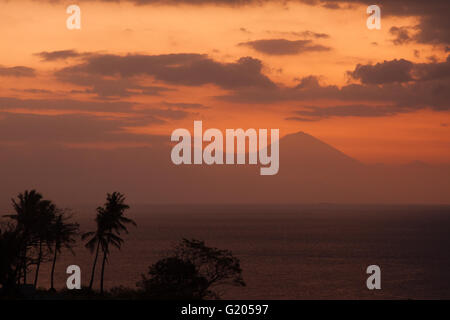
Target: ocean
(288,251)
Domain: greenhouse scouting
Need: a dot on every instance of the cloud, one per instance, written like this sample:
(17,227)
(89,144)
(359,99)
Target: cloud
(300,119)
(398,71)
(17,71)
(304,34)
(402,35)
(284,46)
(9,103)
(107,87)
(315,113)
(177,69)
(432,71)
(60,55)
(119,88)
(433,94)
(228,3)
(34,91)
(385,72)
(308,33)
(60,129)
(131,114)
(159,113)
(182,105)
(397,86)
(433,26)
(400,85)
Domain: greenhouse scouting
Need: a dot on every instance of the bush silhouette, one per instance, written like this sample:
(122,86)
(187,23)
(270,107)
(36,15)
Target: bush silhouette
(194,271)
(173,278)
(10,247)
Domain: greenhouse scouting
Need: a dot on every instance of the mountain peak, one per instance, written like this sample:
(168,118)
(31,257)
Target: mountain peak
(301,145)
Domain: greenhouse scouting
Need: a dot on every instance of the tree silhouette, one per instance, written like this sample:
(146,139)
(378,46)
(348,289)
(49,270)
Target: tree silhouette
(27,208)
(173,279)
(193,272)
(97,239)
(63,234)
(110,221)
(10,247)
(42,231)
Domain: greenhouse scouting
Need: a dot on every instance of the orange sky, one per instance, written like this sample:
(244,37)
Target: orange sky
(29,27)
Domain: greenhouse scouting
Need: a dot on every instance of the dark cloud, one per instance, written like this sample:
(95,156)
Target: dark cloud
(61,129)
(434,94)
(182,105)
(400,85)
(18,71)
(330,5)
(402,35)
(34,91)
(300,119)
(433,27)
(398,71)
(232,3)
(60,55)
(315,113)
(304,34)
(8,103)
(168,113)
(432,71)
(284,46)
(177,69)
(312,34)
(107,87)
(385,72)
(134,114)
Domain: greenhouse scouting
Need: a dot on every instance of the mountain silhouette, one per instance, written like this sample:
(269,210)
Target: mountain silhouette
(310,171)
(303,149)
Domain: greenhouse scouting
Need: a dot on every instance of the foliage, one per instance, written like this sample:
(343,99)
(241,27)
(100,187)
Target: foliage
(110,221)
(195,271)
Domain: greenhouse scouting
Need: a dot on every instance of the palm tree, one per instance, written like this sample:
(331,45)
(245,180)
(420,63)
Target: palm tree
(113,213)
(97,238)
(42,231)
(110,222)
(63,234)
(111,239)
(10,247)
(27,209)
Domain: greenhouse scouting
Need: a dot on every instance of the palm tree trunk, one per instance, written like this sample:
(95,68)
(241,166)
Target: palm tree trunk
(24,261)
(38,266)
(103,271)
(52,287)
(93,267)
(17,273)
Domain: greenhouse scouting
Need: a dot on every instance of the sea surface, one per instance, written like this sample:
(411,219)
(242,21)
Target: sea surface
(289,252)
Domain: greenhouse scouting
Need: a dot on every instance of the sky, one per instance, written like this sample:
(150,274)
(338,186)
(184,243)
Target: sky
(148,67)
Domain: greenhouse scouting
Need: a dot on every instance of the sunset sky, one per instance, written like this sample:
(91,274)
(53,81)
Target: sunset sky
(142,68)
